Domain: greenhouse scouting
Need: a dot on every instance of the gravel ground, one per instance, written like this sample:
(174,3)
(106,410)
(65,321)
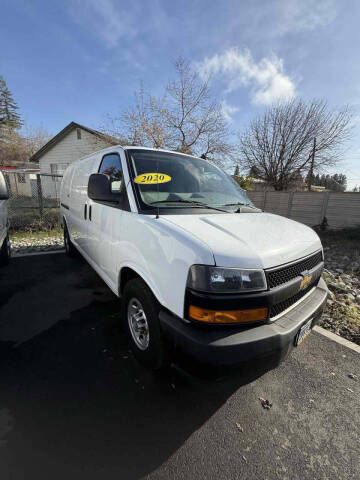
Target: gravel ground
(342,275)
(34,244)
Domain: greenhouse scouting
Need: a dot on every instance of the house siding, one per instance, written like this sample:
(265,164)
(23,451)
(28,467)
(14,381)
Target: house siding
(66,151)
(69,149)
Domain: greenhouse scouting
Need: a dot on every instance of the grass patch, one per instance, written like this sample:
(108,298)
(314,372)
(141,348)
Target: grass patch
(344,320)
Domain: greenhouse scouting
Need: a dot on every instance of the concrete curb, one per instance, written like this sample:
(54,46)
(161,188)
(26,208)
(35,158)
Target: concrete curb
(20,255)
(336,338)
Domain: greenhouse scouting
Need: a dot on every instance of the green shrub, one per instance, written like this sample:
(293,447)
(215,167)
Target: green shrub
(243,181)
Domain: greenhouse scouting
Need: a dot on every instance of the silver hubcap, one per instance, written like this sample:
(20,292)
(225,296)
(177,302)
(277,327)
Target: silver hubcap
(138,324)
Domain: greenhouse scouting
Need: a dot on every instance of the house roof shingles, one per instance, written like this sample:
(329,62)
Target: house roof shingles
(71,126)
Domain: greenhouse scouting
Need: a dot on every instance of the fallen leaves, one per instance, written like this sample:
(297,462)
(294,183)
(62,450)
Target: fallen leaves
(265,403)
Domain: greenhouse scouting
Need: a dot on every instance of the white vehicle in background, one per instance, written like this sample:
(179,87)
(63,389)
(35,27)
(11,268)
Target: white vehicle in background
(200,270)
(4,223)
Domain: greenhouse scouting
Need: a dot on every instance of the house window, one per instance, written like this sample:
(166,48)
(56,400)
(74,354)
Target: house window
(58,169)
(78,133)
(21,177)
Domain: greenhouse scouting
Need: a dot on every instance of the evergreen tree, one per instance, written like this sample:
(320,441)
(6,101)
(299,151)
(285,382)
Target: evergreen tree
(254,172)
(328,182)
(335,183)
(342,181)
(237,171)
(312,180)
(8,108)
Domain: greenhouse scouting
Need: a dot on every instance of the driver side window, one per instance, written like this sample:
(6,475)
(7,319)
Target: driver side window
(111,166)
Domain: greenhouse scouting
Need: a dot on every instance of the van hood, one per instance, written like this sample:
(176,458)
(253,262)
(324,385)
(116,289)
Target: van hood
(250,240)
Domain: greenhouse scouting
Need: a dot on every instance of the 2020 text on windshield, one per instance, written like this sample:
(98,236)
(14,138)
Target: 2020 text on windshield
(170,180)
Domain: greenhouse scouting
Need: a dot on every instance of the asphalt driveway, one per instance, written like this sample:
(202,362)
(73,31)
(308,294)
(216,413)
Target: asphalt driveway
(75,404)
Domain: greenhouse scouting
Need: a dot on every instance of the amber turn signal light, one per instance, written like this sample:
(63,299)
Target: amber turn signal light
(228,316)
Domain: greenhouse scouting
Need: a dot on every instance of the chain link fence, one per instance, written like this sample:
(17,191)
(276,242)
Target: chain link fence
(34,203)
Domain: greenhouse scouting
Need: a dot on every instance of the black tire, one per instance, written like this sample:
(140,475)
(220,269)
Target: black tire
(5,251)
(155,355)
(69,246)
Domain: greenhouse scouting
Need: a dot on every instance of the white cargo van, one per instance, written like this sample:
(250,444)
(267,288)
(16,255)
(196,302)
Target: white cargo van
(200,270)
(4,223)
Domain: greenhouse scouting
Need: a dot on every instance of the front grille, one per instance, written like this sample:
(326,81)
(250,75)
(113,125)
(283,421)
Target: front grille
(285,304)
(285,274)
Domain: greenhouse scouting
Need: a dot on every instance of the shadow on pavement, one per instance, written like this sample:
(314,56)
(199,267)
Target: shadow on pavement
(74,402)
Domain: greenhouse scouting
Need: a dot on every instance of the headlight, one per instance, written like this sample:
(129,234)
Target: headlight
(225,280)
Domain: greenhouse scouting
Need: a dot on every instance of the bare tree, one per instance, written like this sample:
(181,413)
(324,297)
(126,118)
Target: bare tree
(194,119)
(140,124)
(186,118)
(34,138)
(280,144)
(18,147)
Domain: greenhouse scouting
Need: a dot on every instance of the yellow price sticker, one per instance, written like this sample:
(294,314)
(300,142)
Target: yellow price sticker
(151,178)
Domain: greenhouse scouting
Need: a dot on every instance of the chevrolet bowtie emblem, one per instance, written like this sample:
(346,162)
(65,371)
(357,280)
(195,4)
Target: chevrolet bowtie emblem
(305,281)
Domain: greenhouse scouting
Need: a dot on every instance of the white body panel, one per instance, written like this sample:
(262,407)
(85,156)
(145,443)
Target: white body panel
(249,240)
(161,250)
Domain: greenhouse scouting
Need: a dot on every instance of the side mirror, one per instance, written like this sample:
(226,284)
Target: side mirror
(4,192)
(99,189)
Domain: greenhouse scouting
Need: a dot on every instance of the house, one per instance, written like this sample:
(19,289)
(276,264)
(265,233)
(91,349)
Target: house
(259,185)
(70,144)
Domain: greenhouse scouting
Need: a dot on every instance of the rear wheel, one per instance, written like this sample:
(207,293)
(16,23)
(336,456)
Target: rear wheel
(5,251)
(140,316)
(69,246)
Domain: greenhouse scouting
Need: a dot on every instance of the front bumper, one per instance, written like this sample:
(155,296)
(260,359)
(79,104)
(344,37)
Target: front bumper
(231,345)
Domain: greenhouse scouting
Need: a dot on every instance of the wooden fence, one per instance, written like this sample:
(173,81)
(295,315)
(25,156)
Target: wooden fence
(341,210)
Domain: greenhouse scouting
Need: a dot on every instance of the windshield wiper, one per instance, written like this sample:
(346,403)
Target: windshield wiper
(192,202)
(237,204)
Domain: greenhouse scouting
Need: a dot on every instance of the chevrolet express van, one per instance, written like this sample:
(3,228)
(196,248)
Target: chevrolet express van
(4,223)
(200,270)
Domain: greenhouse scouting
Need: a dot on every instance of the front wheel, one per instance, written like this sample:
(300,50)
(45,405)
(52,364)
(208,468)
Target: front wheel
(5,251)
(140,312)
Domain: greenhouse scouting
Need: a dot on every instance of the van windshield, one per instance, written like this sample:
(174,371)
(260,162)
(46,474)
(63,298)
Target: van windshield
(170,180)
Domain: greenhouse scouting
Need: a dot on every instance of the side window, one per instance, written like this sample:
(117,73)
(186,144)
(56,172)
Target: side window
(111,166)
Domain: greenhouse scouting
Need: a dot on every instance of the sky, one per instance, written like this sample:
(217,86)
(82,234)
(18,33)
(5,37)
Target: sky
(81,60)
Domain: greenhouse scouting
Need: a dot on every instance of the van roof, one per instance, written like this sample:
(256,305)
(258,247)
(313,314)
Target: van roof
(132,147)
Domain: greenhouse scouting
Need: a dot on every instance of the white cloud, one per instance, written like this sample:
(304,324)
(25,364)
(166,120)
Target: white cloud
(228,110)
(295,16)
(266,79)
(118,22)
(109,22)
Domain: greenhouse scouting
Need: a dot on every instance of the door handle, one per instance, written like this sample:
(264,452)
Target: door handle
(90,213)
(85,211)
